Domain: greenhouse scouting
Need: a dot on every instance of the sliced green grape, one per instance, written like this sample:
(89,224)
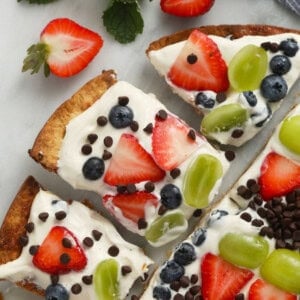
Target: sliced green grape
(223,118)
(106,280)
(247,68)
(199,180)
(244,250)
(282,269)
(289,134)
(163,225)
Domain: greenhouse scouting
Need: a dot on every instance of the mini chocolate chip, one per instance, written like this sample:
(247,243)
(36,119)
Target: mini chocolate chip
(230,155)
(175,285)
(221,97)
(23,240)
(192,58)
(175,173)
(261,212)
(184,281)
(279,244)
(149,186)
(258,200)
(296,236)
(194,279)
(43,216)
(149,128)
(188,296)
(106,155)
(76,288)
(65,258)
(162,114)
(197,213)
(92,138)
(252,204)
(121,189)
(88,242)
(237,133)
(54,279)
(102,121)
(250,183)
(96,234)
(87,279)
(274,47)
(131,188)
(86,149)
(239,297)
(113,251)
(33,249)
(134,126)
(246,217)
(142,223)
(123,100)
(29,227)
(257,223)
(67,243)
(244,192)
(192,134)
(134,297)
(178,297)
(60,215)
(194,290)
(126,270)
(162,210)
(108,141)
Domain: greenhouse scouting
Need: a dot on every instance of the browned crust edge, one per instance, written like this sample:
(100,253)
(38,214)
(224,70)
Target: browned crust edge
(233,31)
(46,147)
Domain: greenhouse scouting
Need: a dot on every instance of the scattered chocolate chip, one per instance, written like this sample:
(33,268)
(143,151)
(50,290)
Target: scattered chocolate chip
(188,296)
(60,215)
(149,186)
(175,173)
(92,138)
(29,227)
(258,200)
(162,114)
(192,134)
(65,258)
(33,249)
(230,155)
(134,297)
(121,189)
(106,155)
(296,236)
(88,242)
(102,121)
(257,223)
(134,126)
(194,290)
(175,285)
(113,251)
(86,149)
(184,281)
(192,58)
(108,141)
(131,188)
(239,297)
(87,279)
(237,133)
(244,192)
(67,243)
(23,240)
(252,204)
(221,97)
(96,235)
(194,279)
(197,213)
(142,223)
(261,212)
(149,128)
(76,289)
(43,216)
(246,217)
(126,270)
(54,279)
(123,100)
(162,210)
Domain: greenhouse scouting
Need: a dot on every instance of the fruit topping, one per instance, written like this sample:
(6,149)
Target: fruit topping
(280,64)
(200,65)
(93,168)
(171,271)
(224,118)
(260,289)
(203,100)
(133,206)
(59,253)
(282,269)
(190,8)
(220,279)
(171,143)
(248,251)
(120,116)
(247,68)
(171,223)
(131,163)
(65,48)
(161,293)
(184,254)
(56,291)
(273,87)
(170,196)
(278,176)
(106,280)
(289,47)
(199,236)
(200,179)
(289,133)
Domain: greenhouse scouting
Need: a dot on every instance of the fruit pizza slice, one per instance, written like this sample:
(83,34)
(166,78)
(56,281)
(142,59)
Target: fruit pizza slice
(65,250)
(248,245)
(151,168)
(235,75)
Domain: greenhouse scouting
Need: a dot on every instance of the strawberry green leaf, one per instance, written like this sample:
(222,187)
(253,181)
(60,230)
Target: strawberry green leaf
(123,20)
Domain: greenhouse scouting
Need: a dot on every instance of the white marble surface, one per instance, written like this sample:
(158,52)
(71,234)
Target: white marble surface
(27,101)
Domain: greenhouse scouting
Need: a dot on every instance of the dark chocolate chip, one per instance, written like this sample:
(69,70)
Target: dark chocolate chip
(194,279)
(184,281)
(43,216)
(113,251)
(29,227)
(65,258)
(239,297)
(60,215)
(142,223)
(96,235)
(86,149)
(149,186)
(175,173)
(121,189)
(23,240)
(246,217)
(230,155)
(221,97)
(192,58)
(123,100)
(33,249)
(108,141)
(175,285)
(92,138)
(102,121)
(88,242)
(188,296)
(192,134)
(178,297)
(244,192)
(237,133)
(257,223)
(131,188)
(197,213)
(134,297)
(126,270)
(162,114)
(194,290)
(76,289)
(67,243)
(149,128)
(87,279)
(134,126)
(162,210)
(106,155)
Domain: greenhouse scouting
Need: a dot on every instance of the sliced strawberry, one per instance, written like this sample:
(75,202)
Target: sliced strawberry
(65,48)
(220,279)
(186,8)
(55,257)
(262,290)
(133,206)
(131,163)
(200,65)
(171,144)
(278,176)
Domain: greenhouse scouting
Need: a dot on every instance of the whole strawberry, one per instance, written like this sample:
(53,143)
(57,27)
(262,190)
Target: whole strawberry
(186,8)
(65,48)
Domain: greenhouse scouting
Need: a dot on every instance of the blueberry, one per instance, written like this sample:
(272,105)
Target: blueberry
(273,88)
(217,215)
(185,254)
(93,168)
(199,236)
(170,196)
(250,97)
(203,100)
(289,47)
(161,293)
(280,64)
(56,292)
(171,271)
(120,116)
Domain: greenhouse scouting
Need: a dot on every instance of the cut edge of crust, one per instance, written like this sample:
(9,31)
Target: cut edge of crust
(46,147)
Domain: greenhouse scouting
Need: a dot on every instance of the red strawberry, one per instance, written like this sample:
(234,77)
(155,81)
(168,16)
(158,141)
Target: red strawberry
(65,48)
(171,144)
(131,163)
(133,206)
(263,290)
(200,65)
(186,8)
(278,176)
(55,257)
(220,279)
